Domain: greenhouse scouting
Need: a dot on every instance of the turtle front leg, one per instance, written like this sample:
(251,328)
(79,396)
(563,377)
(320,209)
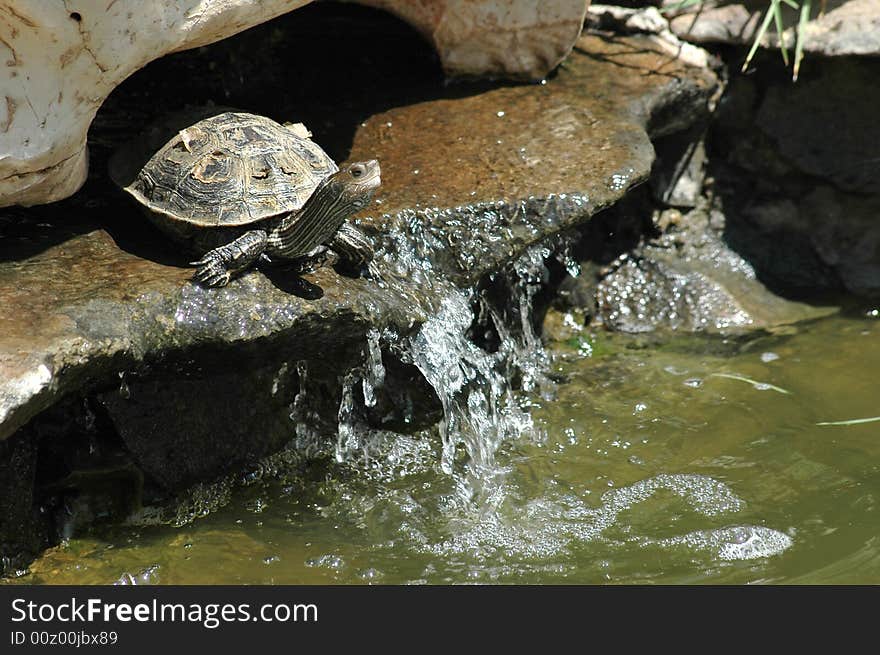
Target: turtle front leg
(352,246)
(218,266)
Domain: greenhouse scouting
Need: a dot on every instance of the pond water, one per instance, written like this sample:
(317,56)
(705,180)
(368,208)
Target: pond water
(648,465)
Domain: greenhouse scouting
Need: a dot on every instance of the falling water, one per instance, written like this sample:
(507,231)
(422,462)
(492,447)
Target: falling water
(374,370)
(480,412)
(474,387)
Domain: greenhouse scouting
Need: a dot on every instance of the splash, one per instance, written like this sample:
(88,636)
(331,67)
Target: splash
(479,410)
(475,387)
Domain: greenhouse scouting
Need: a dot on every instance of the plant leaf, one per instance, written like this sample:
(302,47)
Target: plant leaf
(754,383)
(854,421)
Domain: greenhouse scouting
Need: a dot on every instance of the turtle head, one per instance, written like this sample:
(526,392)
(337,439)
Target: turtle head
(352,186)
(337,197)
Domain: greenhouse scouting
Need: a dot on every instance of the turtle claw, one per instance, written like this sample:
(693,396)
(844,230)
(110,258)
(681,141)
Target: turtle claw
(211,272)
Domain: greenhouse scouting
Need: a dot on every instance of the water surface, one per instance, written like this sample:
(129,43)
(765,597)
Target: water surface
(647,467)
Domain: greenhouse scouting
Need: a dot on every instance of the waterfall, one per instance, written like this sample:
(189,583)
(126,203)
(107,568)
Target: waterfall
(474,386)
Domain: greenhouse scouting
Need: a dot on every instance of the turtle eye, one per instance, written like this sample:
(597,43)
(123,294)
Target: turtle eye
(357,171)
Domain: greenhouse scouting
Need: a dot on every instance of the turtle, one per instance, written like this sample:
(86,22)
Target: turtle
(235,188)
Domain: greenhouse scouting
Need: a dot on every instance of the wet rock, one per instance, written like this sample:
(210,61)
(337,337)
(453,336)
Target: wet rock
(64,59)
(472,176)
(509,176)
(689,279)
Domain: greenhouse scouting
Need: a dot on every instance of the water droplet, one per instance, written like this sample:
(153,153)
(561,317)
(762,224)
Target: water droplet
(124,391)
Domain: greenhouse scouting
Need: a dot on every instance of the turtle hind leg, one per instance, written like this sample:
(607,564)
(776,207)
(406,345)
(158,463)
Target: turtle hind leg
(219,265)
(352,246)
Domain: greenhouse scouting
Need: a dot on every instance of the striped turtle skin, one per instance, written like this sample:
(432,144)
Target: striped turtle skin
(237,187)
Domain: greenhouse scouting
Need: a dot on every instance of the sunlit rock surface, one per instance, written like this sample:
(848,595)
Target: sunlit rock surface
(64,58)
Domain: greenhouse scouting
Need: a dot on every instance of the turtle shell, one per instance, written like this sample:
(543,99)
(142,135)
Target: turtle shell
(232,169)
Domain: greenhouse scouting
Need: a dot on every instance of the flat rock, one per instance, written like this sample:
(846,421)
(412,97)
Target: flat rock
(470,180)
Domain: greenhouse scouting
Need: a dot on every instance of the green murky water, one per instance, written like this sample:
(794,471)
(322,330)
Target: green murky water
(653,469)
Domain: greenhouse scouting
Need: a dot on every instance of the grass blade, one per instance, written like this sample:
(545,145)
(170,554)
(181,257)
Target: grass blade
(758,385)
(776,8)
(799,43)
(760,35)
(854,421)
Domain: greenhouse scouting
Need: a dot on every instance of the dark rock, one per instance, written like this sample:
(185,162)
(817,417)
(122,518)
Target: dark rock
(796,172)
(680,167)
(185,428)
(826,124)
(23,531)
(845,233)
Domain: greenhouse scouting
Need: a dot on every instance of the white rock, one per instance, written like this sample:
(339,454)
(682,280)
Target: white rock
(63,58)
(647,21)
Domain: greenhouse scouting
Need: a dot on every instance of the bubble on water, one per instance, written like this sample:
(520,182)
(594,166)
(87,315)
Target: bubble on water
(706,495)
(696,383)
(332,562)
(548,526)
(743,542)
(769,357)
(149,575)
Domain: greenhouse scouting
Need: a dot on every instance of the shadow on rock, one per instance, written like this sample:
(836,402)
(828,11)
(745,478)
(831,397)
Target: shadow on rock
(289,281)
